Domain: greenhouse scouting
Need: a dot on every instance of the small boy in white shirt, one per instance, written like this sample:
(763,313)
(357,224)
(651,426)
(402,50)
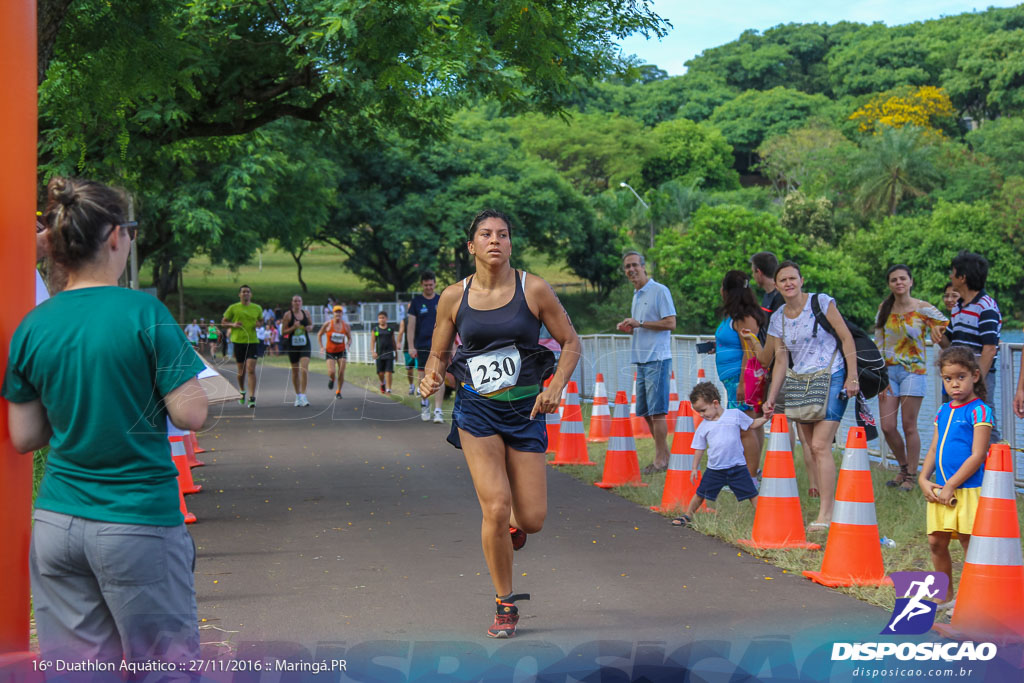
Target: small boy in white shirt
(719,435)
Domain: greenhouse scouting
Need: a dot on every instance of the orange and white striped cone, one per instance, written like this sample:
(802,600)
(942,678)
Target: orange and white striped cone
(180,458)
(572,444)
(673,403)
(552,423)
(189,517)
(196,446)
(853,555)
(621,466)
(193,449)
(779,521)
(600,418)
(678,490)
(640,428)
(990,602)
(190,453)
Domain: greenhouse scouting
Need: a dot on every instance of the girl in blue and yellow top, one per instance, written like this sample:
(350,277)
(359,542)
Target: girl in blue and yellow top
(956,456)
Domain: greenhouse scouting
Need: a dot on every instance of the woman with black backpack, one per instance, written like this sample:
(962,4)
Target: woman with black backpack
(901,328)
(810,364)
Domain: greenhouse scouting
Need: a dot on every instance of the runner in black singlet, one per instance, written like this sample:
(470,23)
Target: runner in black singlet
(499,370)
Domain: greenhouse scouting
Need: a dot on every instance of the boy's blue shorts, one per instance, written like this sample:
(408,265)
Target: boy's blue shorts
(738,478)
(508,419)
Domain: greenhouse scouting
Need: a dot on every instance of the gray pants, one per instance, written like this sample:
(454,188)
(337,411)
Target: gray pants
(104,591)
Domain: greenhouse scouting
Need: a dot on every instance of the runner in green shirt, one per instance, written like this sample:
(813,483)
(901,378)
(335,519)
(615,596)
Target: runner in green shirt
(241,319)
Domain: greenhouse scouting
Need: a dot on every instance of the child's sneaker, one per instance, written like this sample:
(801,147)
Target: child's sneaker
(506,617)
(518,537)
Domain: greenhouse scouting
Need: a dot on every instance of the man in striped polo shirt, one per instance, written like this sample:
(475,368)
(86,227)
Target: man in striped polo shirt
(975,321)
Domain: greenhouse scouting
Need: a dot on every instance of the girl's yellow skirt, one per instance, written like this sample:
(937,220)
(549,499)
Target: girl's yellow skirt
(959,518)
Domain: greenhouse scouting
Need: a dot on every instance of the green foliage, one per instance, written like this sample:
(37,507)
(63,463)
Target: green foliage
(692,153)
(594,152)
(407,206)
(928,243)
(1002,141)
(755,116)
(809,217)
(988,76)
(693,262)
(894,166)
(812,158)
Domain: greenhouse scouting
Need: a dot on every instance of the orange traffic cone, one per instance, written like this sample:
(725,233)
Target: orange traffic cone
(990,602)
(673,403)
(190,453)
(189,517)
(678,490)
(195,444)
(600,418)
(180,458)
(572,445)
(640,428)
(193,449)
(779,522)
(552,421)
(853,556)
(621,466)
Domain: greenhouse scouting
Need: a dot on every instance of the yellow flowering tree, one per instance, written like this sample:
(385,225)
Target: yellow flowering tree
(924,107)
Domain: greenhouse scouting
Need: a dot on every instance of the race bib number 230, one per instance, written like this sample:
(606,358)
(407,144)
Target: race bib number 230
(495,370)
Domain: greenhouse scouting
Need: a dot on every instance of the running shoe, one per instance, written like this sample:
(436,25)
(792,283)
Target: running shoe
(506,616)
(298,400)
(425,411)
(438,417)
(388,391)
(305,400)
(518,537)
(330,384)
(252,402)
(383,389)
(337,394)
(241,400)
(412,390)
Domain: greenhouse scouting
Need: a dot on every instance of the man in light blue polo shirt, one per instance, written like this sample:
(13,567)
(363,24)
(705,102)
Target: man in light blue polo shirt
(652,319)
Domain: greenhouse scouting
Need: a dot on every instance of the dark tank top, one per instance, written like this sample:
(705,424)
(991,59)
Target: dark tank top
(486,332)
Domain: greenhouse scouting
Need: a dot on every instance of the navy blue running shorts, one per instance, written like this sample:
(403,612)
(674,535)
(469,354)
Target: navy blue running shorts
(738,478)
(508,419)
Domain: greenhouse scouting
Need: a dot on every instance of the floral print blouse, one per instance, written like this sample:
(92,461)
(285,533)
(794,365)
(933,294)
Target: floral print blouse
(902,340)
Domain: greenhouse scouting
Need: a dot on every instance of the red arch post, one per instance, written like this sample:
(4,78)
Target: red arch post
(17,255)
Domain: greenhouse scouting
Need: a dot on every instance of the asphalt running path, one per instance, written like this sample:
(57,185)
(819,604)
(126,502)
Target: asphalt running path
(353,521)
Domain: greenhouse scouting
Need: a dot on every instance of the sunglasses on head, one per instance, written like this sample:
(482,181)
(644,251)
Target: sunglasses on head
(131,226)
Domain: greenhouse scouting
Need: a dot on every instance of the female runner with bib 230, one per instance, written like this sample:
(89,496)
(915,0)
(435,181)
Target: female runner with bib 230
(499,369)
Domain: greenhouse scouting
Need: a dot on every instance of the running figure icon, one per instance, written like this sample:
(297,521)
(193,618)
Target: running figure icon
(915,606)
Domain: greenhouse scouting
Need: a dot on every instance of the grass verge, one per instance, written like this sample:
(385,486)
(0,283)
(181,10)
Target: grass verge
(901,517)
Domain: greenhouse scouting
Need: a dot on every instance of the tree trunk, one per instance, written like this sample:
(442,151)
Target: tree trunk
(165,278)
(298,265)
(50,15)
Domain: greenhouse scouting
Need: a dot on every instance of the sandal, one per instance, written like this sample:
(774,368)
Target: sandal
(907,485)
(653,469)
(813,493)
(814,527)
(899,479)
(682,520)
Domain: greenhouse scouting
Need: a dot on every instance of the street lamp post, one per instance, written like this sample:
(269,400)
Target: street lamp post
(647,207)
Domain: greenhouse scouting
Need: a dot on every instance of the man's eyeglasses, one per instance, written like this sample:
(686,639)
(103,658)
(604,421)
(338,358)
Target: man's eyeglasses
(131,226)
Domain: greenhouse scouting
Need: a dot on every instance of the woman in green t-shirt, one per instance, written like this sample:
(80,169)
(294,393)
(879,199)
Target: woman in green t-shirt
(111,561)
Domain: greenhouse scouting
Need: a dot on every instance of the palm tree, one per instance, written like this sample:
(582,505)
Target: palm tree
(895,164)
